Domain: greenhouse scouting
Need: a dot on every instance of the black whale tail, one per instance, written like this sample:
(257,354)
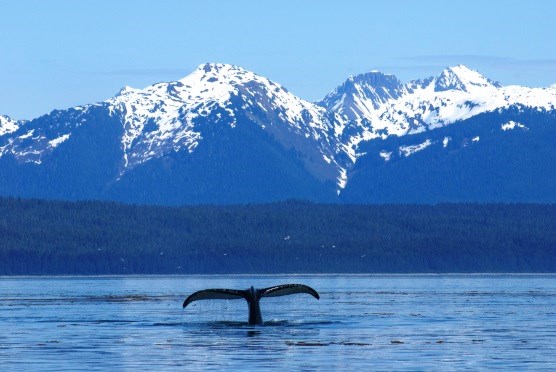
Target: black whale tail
(251,295)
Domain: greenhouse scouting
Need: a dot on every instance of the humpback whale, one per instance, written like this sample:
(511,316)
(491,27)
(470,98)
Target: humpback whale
(252,296)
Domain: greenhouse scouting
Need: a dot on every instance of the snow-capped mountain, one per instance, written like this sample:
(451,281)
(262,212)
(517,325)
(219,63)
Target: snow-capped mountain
(206,114)
(456,94)
(224,134)
(170,116)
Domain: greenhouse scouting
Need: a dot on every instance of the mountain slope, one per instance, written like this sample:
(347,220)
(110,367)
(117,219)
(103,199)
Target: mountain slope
(489,157)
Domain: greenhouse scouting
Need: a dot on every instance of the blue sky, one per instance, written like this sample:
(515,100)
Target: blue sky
(57,54)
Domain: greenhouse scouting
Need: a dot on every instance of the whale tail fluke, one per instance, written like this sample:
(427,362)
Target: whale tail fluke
(287,289)
(216,294)
(252,296)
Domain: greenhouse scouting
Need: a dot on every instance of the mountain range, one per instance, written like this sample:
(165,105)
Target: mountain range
(225,135)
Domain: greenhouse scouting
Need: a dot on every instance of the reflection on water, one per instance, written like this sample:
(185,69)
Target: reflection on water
(367,322)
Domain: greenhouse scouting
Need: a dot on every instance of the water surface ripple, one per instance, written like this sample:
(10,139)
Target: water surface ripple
(378,322)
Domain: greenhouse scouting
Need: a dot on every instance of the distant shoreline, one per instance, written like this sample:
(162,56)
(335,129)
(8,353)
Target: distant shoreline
(42,237)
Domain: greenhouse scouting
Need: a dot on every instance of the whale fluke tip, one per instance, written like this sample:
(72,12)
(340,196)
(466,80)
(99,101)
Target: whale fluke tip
(288,289)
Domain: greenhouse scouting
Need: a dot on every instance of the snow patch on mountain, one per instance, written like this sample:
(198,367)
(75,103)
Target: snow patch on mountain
(512,125)
(385,155)
(410,150)
(342,179)
(27,135)
(57,141)
(7,125)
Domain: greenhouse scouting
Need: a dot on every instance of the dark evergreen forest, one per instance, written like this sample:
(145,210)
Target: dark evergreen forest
(54,237)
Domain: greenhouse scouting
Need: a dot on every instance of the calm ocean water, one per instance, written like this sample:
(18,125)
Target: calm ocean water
(374,322)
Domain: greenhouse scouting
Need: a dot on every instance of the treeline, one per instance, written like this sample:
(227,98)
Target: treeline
(53,237)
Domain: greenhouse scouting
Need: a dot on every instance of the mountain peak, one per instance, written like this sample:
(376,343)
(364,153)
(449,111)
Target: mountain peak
(125,90)
(360,95)
(212,72)
(219,78)
(7,125)
(216,68)
(462,78)
(371,73)
(375,79)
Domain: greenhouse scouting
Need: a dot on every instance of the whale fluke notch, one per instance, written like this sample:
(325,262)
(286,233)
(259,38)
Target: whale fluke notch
(252,296)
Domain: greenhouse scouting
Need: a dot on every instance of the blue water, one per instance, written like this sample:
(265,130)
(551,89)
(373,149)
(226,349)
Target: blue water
(375,322)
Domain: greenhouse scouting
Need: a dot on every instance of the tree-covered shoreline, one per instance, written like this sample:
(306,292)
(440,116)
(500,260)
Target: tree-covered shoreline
(39,237)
